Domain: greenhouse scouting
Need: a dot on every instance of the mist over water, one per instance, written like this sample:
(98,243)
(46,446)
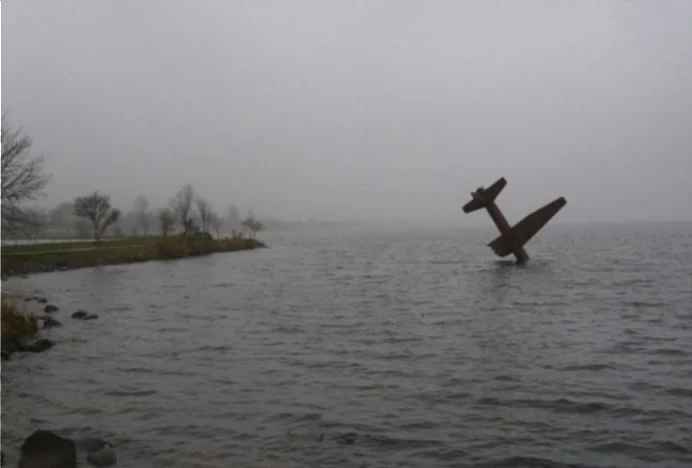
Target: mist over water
(377,348)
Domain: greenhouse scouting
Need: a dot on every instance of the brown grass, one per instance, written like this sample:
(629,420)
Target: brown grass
(165,248)
(16,323)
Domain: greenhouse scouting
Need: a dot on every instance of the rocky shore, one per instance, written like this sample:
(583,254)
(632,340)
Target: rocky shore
(26,320)
(45,448)
(32,341)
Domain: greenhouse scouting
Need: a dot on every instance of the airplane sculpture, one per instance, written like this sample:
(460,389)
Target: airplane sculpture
(511,239)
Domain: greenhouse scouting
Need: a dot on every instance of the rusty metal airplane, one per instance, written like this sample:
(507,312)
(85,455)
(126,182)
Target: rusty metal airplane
(512,239)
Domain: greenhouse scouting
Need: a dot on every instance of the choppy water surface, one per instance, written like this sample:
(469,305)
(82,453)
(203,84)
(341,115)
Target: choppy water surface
(417,341)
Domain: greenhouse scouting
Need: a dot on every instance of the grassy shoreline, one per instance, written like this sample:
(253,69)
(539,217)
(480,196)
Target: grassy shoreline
(41,258)
(17,324)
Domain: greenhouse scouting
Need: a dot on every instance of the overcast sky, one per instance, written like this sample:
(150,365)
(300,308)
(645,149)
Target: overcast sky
(360,109)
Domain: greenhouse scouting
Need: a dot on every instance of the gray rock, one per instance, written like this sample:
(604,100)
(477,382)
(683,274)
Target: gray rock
(80,314)
(91,317)
(90,444)
(50,308)
(104,457)
(41,300)
(50,322)
(38,346)
(45,449)
(9,346)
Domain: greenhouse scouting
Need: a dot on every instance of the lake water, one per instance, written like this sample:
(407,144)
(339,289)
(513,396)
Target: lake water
(417,341)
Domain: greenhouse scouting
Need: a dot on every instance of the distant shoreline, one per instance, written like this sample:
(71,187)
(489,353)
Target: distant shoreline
(27,259)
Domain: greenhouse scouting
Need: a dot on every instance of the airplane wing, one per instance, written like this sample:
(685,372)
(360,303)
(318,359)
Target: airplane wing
(489,194)
(525,229)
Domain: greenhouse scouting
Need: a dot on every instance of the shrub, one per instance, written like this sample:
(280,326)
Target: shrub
(202,235)
(16,323)
(174,247)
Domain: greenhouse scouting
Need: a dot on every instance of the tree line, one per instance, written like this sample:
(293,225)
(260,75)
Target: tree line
(93,215)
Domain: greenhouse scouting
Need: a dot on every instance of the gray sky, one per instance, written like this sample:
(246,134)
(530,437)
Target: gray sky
(360,109)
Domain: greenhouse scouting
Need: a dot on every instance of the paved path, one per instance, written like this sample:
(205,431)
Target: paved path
(80,249)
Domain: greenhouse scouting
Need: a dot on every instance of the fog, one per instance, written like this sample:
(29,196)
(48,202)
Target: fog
(359,109)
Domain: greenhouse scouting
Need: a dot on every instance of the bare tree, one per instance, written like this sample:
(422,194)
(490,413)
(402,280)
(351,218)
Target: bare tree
(181,208)
(141,208)
(23,178)
(61,218)
(205,214)
(37,222)
(166,221)
(141,204)
(217,224)
(129,223)
(233,218)
(97,209)
(82,228)
(252,224)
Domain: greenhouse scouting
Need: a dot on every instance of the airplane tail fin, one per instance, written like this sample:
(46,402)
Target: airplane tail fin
(489,194)
(525,229)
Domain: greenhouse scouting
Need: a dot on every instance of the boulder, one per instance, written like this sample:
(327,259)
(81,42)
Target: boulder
(106,456)
(50,308)
(90,444)
(45,449)
(8,347)
(38,346)
(84,315)
(50,322)
(41,300)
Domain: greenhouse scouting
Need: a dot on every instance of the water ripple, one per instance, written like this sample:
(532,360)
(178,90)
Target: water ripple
(378,349)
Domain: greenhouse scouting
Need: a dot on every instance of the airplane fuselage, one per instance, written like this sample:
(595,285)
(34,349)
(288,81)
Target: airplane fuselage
(502,225)
(512,238)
